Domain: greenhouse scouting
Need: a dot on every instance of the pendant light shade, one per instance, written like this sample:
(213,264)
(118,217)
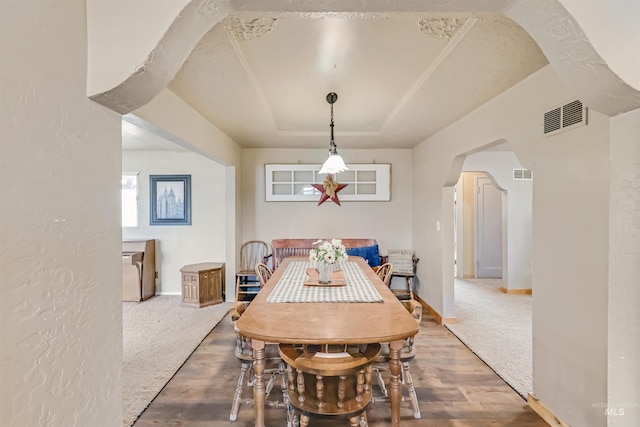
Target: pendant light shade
(334,164)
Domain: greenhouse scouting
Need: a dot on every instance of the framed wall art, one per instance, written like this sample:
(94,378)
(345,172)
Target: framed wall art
(170,199)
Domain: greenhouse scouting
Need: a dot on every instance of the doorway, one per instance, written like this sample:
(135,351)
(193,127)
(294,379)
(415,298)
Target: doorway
(489,208)
(488,247)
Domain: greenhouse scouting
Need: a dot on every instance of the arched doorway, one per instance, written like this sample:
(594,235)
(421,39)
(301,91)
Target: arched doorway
(492,322)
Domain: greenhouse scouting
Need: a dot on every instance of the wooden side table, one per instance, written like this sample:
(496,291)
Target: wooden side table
(202,284)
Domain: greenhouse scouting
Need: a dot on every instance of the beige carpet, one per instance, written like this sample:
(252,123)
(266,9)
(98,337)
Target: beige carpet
(158,335)
(497,327)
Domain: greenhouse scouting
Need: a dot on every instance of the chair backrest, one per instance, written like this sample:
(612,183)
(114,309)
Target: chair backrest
(403,260)
(384,272)
(251,253)
(283,248)
(264,273)
(328,383)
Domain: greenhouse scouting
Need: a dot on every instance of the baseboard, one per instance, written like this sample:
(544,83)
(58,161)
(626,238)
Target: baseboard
(449,320)
(544,412)
(428,308)
(169,293)
(519,291)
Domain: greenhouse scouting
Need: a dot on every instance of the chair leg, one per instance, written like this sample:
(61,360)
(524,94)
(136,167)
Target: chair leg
(410,286)
(359,420)
(363,420)
(238,394)
(304,420)
(411,389)
(381,383)
(282,370)
(269,386)
(252,376)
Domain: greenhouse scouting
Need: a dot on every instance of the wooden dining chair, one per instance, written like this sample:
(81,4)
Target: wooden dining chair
(329,381)
(407,354)
(404,267)
(384,273)
(274,368)
(264,273)
(247,282)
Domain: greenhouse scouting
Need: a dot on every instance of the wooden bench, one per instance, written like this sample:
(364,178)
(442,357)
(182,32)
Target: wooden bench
(282,248)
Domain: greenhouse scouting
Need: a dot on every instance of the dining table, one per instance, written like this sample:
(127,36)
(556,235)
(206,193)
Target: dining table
(364,311)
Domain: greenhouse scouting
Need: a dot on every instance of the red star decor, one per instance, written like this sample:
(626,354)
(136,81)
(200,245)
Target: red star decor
(329,189)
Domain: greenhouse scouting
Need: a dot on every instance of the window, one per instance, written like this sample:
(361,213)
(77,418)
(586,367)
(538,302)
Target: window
(365,182)
(130,199)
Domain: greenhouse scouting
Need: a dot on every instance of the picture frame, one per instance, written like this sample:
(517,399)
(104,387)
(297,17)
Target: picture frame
(170,199)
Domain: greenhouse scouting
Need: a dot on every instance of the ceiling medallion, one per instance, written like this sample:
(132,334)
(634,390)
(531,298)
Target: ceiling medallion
(247,29)
(206,8)
(440,28)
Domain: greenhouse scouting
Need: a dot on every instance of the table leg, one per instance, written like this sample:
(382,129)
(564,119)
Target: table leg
(395,385)
(258,385)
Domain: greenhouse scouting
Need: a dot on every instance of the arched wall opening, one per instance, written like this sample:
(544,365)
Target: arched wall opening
(499,162)
(150,150)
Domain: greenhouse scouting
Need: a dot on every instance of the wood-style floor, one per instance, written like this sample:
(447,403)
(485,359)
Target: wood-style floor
(454,388)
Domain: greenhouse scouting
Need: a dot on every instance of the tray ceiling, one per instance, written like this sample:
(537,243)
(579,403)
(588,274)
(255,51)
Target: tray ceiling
(400,78)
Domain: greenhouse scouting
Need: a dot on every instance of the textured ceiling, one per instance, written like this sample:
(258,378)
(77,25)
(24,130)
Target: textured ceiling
(400,78)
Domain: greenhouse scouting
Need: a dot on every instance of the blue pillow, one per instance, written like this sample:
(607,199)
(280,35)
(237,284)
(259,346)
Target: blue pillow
(369,253)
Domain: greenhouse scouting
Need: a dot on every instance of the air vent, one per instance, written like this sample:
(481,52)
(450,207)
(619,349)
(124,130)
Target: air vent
(522,174)
(552,120)
(563,118)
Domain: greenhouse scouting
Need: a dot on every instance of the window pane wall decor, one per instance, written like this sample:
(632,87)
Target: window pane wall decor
(292,183)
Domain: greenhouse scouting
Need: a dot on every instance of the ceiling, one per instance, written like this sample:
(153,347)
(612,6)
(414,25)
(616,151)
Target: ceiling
(400,78)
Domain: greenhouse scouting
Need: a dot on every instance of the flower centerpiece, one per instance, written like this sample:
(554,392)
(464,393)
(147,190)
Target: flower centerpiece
(327,257)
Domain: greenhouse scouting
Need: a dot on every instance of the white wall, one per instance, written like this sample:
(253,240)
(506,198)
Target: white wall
(178,245)
(570,240)
(60,304)
(570,273)
(272,220)
(624,271)
(516,272)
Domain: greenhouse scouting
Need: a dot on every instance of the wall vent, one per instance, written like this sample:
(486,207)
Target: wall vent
(563,118)
(522,174)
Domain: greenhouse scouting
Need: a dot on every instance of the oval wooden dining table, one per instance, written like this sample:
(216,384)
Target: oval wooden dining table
(327,323)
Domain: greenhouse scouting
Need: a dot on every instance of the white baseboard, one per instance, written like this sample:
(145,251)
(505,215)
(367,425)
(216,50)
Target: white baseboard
(169,293)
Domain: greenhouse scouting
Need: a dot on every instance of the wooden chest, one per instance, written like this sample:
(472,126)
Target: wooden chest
(202,284)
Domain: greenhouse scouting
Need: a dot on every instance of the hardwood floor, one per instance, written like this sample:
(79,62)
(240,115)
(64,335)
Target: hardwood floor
(454,388)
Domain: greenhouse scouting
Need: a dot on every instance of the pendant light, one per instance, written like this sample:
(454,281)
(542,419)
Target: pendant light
(334,164)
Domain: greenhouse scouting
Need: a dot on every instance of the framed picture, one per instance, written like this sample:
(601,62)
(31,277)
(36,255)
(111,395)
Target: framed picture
(170,201)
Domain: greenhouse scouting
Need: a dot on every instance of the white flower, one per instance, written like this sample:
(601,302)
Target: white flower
(329,252)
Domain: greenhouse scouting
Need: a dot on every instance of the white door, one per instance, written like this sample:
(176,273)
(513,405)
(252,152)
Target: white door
(488,229)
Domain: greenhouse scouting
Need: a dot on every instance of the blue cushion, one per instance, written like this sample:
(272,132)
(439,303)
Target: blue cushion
(369,253)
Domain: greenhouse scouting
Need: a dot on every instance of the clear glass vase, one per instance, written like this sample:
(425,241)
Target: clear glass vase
(325,270)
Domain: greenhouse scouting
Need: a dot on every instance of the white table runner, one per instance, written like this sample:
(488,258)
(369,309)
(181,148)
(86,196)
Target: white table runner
(291,288)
